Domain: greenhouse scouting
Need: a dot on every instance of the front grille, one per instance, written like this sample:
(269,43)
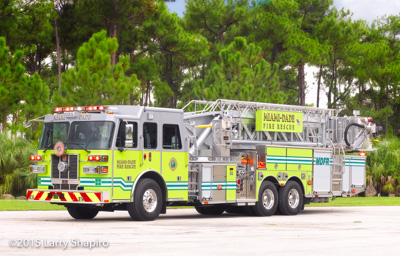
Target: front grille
(67,179)
(73,165)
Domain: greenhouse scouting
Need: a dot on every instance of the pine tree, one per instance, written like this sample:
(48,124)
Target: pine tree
(94,80)
(241,74)
(12,79)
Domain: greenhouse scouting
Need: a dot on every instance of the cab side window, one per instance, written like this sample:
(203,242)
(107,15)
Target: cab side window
(150,135)
(171,137)
(124,141)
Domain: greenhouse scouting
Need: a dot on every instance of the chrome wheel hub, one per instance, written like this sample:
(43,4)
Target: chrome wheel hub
(268,199)
(150,200)
(293,198)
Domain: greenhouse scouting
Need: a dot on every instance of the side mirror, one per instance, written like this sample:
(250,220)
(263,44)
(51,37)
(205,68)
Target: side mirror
(129,135)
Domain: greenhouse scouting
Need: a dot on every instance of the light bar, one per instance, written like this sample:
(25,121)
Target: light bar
(68,109)
(86,108)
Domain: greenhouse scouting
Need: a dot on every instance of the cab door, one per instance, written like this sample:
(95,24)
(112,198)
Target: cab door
(126,160)
(174,163)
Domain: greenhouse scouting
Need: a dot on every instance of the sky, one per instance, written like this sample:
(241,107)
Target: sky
(368,10)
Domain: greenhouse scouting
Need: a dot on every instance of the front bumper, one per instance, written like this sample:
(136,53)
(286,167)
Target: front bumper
(62,196)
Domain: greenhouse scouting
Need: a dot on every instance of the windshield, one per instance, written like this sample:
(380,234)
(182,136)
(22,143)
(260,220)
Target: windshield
(90,135)
(81,135)
(52,133)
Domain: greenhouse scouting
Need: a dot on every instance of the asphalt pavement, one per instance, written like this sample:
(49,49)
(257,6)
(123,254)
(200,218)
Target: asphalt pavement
(315,231)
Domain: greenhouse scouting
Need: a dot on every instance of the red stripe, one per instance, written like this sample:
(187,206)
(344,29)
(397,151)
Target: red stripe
(39,195)
(48,198)
(86,198)
(28,195)
(73,197)
(60,194)
(98,196)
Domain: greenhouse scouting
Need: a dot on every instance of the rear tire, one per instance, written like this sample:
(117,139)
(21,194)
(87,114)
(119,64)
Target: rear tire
(216,209)
(82,212)
(267,200)
(148,201)
(290,198)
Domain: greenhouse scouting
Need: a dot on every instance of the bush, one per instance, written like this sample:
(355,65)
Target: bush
(15,177)
(383,165)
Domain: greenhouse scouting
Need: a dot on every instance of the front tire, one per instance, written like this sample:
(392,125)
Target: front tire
(267,200)
(148,200)
(216,209)
(82,212)
(290,198)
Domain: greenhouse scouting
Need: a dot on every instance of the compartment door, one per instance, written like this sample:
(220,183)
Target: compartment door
(356,165)
(322,177)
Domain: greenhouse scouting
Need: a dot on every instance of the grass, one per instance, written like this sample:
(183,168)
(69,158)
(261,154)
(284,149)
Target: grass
(22,205)
(359,201)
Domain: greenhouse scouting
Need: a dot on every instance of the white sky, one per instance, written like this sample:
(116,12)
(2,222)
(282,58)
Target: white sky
(368,10)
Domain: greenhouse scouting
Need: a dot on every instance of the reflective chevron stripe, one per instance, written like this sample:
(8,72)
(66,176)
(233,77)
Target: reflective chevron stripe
(64,196)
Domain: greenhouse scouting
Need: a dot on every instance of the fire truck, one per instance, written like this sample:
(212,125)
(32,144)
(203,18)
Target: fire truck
(217,156)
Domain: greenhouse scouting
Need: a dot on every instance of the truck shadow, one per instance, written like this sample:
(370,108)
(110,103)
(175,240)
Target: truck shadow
(194,215)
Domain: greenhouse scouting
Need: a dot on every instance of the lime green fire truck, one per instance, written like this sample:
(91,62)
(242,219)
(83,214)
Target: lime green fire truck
(217,156)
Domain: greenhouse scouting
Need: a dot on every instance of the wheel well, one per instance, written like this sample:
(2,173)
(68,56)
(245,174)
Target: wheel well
(160,181)
(273,180)
(296,179)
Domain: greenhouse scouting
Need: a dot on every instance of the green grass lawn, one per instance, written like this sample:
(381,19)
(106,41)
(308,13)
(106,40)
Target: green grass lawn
(22,205)
(359,201)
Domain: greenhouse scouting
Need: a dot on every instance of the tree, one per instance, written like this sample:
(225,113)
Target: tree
(121,19)
(384,70)
(176,52)
(306,48)
(35,103)
(273,26)
(214,18)
(94,80)
(12,77)
(241,74)
(27,25)
(342,36)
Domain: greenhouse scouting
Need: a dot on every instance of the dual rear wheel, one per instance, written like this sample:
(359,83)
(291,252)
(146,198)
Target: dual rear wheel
(288,200)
